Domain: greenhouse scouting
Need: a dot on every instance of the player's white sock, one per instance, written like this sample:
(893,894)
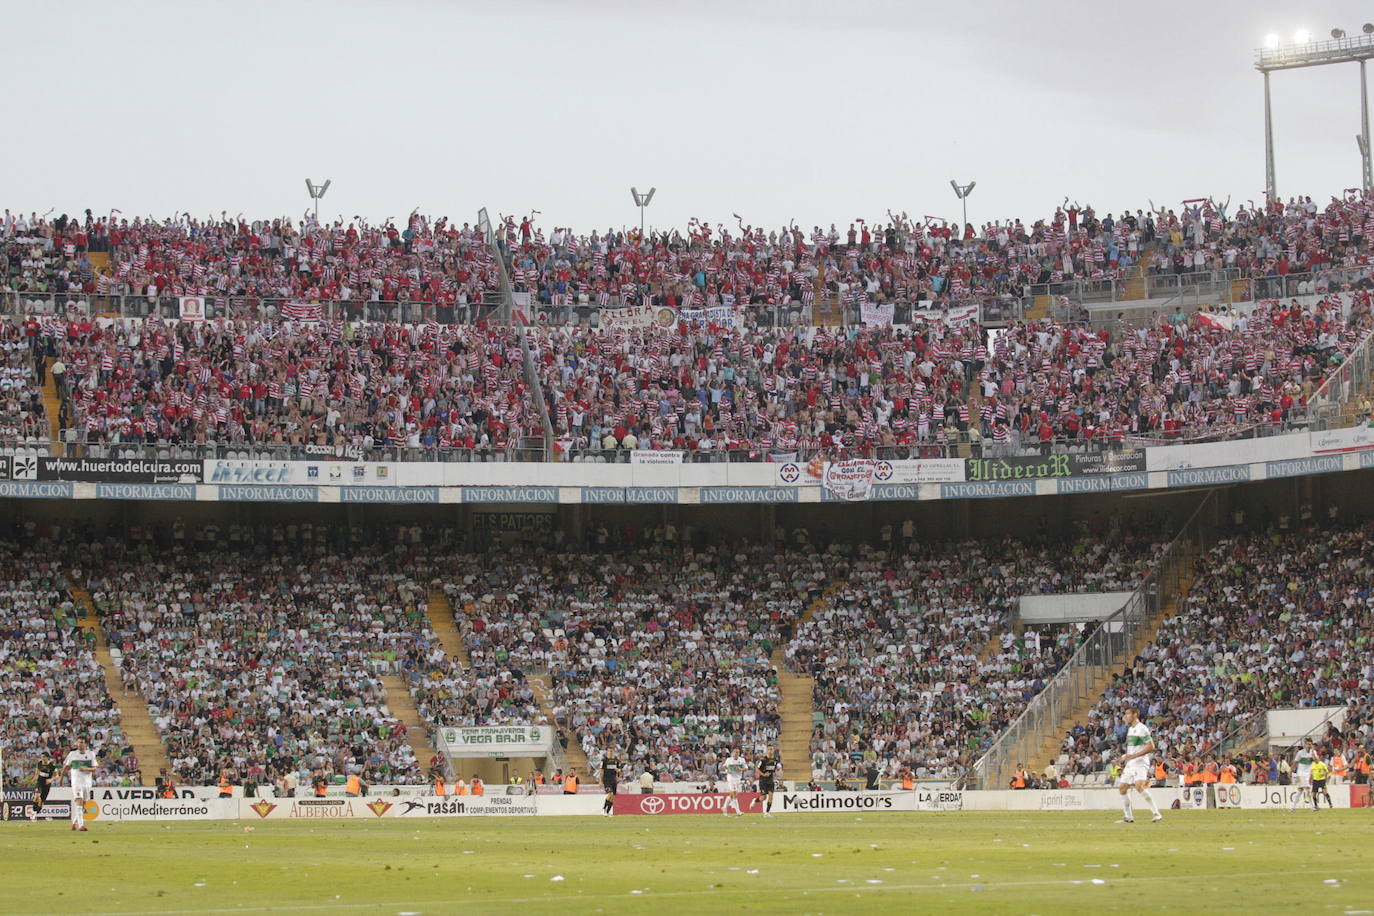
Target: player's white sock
(78,811)
(1151,799)
(1129,812)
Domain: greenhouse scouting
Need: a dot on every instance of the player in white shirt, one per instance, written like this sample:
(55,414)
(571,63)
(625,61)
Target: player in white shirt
(82,762)
(734,767)
(1135,766)
(1302,775)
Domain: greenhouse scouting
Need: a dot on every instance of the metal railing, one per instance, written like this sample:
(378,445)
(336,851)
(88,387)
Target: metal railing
(1330,406)
(1106,647)
(515,450)
(1220,286)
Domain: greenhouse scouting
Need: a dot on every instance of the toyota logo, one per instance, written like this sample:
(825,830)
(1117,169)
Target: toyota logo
(651,804)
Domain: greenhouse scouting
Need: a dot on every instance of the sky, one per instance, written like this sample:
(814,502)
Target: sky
(803,110)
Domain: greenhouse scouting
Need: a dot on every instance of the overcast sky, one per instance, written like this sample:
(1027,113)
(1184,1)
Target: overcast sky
(816,111)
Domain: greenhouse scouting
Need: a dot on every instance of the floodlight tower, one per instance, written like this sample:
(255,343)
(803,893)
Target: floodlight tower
(316,192)
(962,191)
(1304,52)
(642,201)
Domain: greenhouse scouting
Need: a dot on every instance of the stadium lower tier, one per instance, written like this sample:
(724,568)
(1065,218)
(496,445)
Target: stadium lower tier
(263,650)
(1274,619)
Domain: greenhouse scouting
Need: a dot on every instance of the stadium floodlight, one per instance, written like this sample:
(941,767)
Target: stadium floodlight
(962,191)
(642,201)
(316,192)
(1272,40)
(1343,48)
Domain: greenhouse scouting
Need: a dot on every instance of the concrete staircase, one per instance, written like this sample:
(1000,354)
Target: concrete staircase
(52,404)
(134,717)
(1039,308)
(402,706)
(573,754)
(1052,738)
(797,704)
(1133,287)
(445,626)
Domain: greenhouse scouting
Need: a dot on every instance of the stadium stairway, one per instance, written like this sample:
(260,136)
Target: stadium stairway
(1039,308)
(797,704)
(1052,738)
(134,716)
(402,706)
(573,755)
(445,627)
(53,405)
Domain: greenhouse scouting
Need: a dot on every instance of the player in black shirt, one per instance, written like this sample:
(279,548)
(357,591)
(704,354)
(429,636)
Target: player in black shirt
(43,782)
(610,778)
(767,774)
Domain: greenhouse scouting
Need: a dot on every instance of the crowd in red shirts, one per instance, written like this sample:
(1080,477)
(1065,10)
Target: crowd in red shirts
(706,388)
(289,383)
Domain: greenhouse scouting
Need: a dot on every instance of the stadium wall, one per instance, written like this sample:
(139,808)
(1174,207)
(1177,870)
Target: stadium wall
(201,804)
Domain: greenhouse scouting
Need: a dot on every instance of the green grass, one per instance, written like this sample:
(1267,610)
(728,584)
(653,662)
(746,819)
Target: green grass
(1022,863)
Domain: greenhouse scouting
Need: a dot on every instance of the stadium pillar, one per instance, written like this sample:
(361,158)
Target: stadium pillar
(1368,174)
(1270,191)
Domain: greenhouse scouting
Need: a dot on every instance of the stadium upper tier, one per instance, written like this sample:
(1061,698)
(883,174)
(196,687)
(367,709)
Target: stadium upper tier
(435,262)
(430,380)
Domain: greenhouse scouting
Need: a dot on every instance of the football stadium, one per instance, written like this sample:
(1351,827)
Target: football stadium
(1010,561)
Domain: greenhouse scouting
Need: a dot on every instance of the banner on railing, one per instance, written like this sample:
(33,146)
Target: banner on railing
(638,316)
(876,314)
(496,741)
(959,314)
(333,452)
(649,456)
(722,316)
(116,470)
(191,308)
(851,479)
(302,311)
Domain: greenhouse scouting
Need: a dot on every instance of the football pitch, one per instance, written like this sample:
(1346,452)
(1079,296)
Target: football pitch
(1005,863)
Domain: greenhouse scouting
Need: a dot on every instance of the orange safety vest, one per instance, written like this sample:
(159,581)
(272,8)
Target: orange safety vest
(439,788)
(1189,773)
(538,779)
(1209,774)
(460,788)
(478,788)
(570,785)
(225,786)
(1228,774)
(1364,764)
(908,783)
(354,785)
(1161,773)
(1338,766)
(321,790)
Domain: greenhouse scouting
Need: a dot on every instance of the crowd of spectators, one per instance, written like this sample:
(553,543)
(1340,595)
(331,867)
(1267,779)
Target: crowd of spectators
(52,688)
(713,390)
(661,652)
(23,417)
(282,384)
(917,658)
(267,654)
(433,261)
(1274,619)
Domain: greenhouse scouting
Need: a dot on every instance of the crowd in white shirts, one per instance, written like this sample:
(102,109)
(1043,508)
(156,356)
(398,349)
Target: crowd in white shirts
(1275,619)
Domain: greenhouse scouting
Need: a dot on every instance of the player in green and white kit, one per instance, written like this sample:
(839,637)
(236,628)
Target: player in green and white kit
(81,762)
(734,767)
(1302,775)
(1135,766)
